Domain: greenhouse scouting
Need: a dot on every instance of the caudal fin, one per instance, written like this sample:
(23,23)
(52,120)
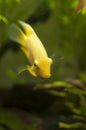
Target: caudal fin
(16,34)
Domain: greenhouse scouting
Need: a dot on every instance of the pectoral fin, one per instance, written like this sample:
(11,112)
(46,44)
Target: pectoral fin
(22,68)
(32,71)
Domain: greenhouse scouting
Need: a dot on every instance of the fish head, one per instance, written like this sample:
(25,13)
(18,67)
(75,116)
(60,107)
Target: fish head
(43,68)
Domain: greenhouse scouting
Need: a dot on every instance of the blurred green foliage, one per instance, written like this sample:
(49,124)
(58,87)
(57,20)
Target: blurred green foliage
(64,35)
(12,121)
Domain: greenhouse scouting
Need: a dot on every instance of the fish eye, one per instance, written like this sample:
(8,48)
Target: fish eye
(35,65)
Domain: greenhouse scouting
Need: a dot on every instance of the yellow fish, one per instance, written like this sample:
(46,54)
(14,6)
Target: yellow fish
(40,63)
(81,5)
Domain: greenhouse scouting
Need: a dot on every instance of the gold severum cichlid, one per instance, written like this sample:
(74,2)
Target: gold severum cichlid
(40,63)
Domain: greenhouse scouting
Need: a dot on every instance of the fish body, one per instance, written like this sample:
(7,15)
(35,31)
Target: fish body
(40,63)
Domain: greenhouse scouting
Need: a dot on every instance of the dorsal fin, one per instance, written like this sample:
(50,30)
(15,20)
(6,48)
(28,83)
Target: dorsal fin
(27,28)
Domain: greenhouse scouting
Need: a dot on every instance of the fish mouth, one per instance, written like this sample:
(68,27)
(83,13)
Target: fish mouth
(45,76)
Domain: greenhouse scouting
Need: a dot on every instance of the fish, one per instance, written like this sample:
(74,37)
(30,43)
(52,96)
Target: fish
(39,62)
(81,5)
